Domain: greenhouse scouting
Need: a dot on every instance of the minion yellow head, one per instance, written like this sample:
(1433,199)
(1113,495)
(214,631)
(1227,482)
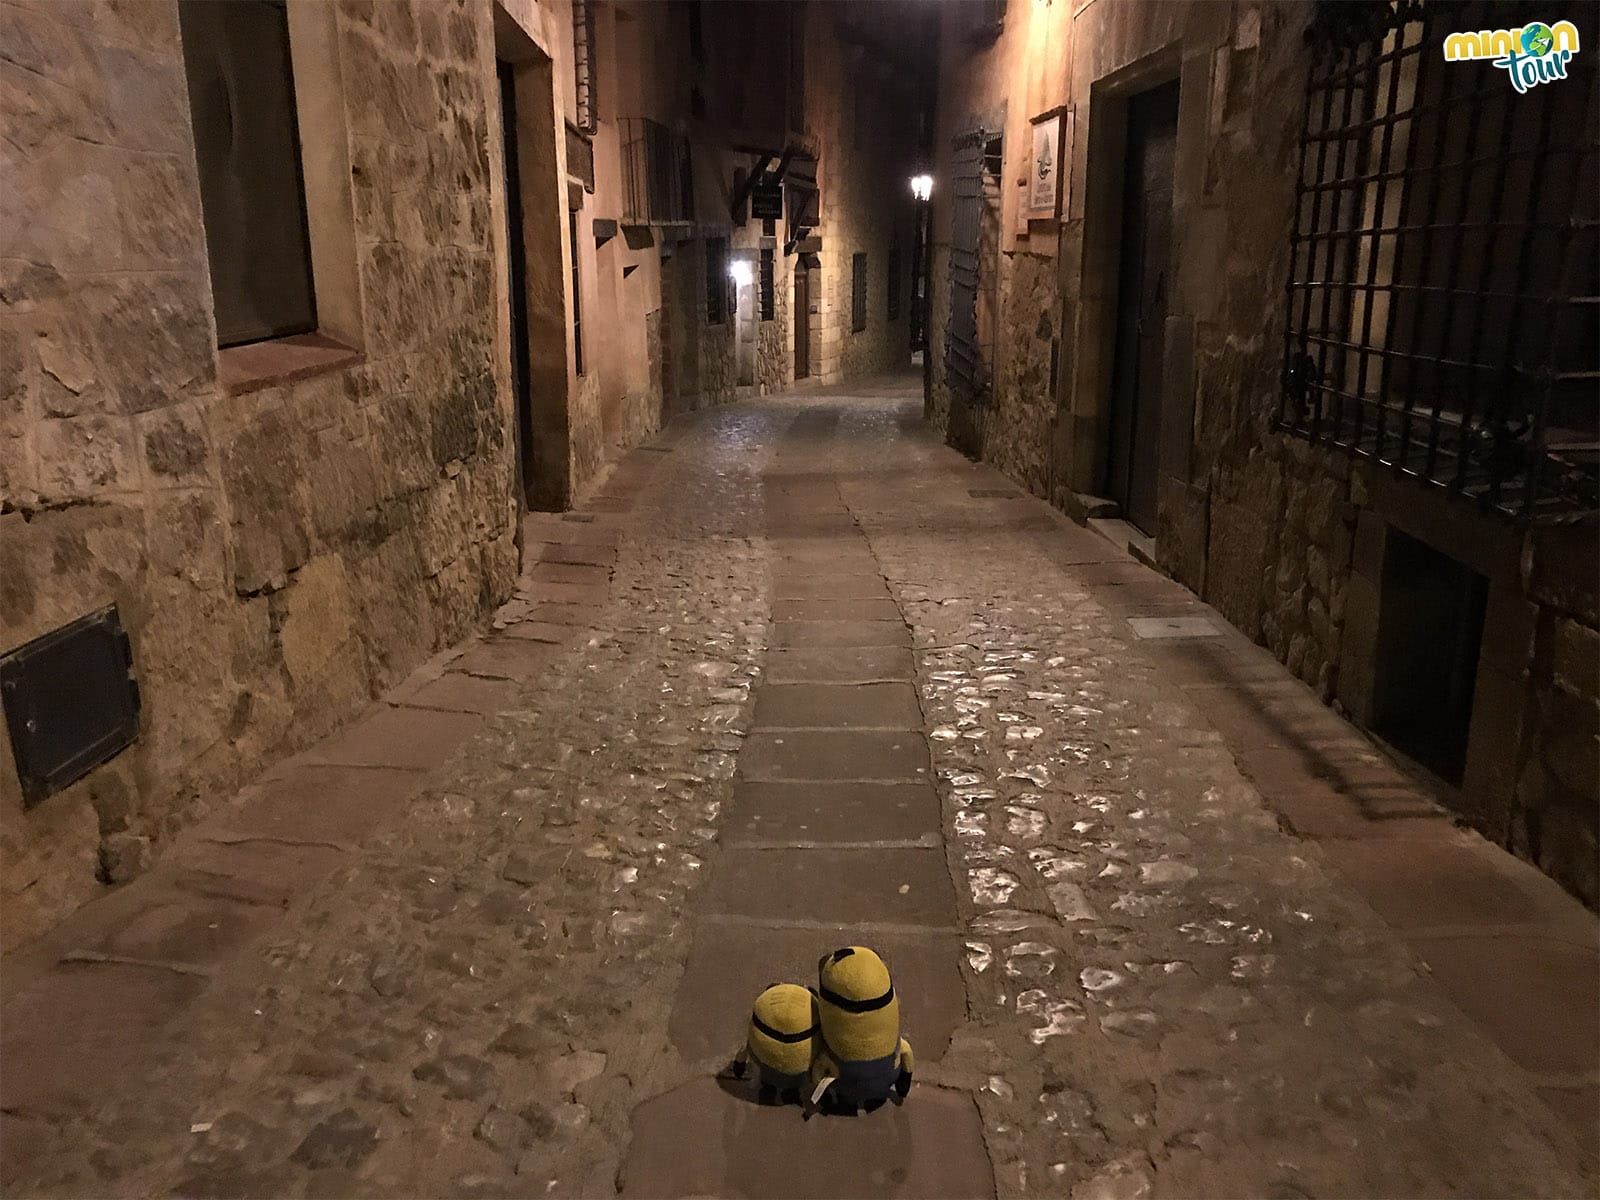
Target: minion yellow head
(859,1012)
(783,1026)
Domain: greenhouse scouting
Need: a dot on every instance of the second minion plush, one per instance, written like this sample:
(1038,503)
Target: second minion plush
(782,1041)
(862,1059)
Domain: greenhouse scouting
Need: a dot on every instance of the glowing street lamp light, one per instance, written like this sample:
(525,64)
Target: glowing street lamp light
(922,186)
(739,271)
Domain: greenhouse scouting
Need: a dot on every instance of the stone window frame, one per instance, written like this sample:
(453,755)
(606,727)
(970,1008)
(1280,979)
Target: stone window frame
(324,148)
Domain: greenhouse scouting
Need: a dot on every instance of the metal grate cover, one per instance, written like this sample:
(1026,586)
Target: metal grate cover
(71,702)
(1442,298)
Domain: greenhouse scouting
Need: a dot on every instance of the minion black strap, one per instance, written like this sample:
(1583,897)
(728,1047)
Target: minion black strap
(763,1027)
(857,1006)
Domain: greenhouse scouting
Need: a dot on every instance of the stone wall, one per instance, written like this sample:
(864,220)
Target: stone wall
(280,553)
(862,115)
(1266,527)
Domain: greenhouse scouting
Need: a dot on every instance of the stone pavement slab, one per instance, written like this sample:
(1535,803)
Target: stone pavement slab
(66,1038)
(828,586)
(837,706)
(835,754)
(456,692)
(846,664)
(1448,881)
(1536,996)
(795,634)
(517,658)
(832,812)
(729,964)
(548,632)
(578,553)
(844,888)
(701,1140)
(879,608)
(306,801)
(417,738)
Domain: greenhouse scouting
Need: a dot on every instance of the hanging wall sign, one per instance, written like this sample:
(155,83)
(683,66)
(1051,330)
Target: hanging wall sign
(1044,168)
(766,201)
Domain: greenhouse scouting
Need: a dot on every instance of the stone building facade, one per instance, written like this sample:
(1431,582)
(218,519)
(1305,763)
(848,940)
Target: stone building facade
(1340,564)
(288,523)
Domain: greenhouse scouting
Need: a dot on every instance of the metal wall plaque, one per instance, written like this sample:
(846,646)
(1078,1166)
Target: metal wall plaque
(766,201)
(71,702)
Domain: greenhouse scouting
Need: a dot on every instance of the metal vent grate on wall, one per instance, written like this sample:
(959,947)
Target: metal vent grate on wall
(1443,300)
(71,702)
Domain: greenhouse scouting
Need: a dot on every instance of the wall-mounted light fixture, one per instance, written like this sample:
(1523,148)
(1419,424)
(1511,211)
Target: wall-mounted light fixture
(922,186)
(739,271)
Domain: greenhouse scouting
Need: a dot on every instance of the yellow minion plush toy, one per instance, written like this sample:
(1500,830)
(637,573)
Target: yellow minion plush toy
(862,1059)
(782,1041)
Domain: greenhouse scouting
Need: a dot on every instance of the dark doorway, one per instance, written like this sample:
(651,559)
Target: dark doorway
(1142,289)
(1430,633)
(802,321)
(517,258)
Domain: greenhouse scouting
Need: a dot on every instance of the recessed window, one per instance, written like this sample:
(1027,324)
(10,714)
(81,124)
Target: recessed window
(858,293)
(1430,630)
(716,281)
(247,148)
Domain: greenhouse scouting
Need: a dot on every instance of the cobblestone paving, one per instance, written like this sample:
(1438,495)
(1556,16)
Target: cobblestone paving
(1163,995)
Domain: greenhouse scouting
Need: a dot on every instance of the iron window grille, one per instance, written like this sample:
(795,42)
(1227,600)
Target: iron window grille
(768,287)
(1442,295)
(858,292)
(716,281)
(976,162)
(657,174)
(577,294)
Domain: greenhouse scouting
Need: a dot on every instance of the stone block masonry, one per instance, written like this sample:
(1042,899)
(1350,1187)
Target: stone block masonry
(278,554)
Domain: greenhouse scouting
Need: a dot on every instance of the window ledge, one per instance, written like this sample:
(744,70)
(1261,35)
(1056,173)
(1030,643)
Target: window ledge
(283,360)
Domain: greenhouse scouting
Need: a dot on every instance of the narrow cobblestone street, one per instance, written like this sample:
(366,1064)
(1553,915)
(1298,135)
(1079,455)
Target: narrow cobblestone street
(801,676)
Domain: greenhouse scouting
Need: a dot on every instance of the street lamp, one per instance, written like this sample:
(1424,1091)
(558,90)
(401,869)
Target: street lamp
(922,186)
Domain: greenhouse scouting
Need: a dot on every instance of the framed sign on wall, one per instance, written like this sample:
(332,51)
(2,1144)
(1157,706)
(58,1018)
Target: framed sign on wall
(1045,166)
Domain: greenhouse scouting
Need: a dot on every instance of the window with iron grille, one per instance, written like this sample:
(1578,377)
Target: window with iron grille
(577,294)
(1442,298)
(894,283)
(657,174)
(716,281)
(858,292)
(247,149)
(768,288)
(583,60)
